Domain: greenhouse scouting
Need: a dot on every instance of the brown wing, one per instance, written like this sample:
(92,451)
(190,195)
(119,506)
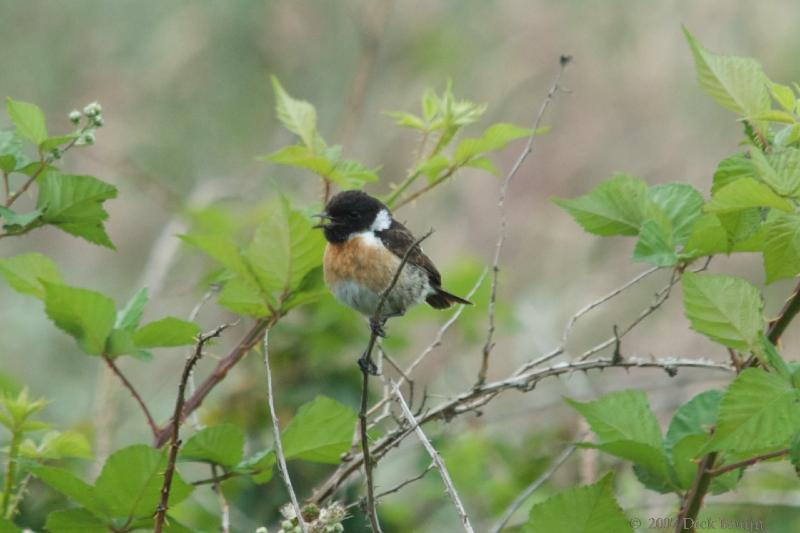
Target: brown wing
(398,240)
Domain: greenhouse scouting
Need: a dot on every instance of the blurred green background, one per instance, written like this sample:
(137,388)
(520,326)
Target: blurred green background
(188,105)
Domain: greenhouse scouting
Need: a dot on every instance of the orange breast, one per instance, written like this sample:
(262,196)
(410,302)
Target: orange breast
(360,261)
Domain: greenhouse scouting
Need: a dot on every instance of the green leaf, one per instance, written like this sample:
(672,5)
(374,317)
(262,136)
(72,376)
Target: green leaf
(222,445)
(167,332)
(759,411)
(311,289)
(707,237)
(86,315)
(284,249)
(15,222)
(434,166)
(25,273)
(783,95)
(695,417)
(726,309)
(655,245)
(7,526)
(623,415)
(128,317)
(407,120)
(58,445)
(12,156)
(345,173)
(586,509)
(736,83)
(782,247)
(617,206)
(741,225)
(682,205)
(483,163)
(258,466)
(75,521)
(120,342)
(297,116)
(75,205)
(242,298)
(321,431)
(73,488)
(746,193)
(222,250)
(28,119)
(627,428)
(731,169)
(131,479)
(689,431)
(496,137)
(780,169)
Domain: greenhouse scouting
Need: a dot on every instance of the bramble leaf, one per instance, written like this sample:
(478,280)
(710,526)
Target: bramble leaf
(167,332)
(617,206)
(28,119)
(745,193)
(222,445)
(25,273)
(321,431)
(86,315)
(586,509)
(726,309)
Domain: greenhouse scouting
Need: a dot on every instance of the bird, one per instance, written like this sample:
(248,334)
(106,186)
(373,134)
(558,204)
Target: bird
(365,247)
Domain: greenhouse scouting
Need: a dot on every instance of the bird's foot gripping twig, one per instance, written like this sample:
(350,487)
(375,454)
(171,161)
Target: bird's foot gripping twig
(376,326)
(367,365)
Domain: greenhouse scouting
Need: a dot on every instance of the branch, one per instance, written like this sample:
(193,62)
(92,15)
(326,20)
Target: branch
(250,339)
(136,396)
(533,487)
(501,233)
(437,460)
(476,397)
(747,462)
(161,510)
(276,435)
(694,498)
(779,325)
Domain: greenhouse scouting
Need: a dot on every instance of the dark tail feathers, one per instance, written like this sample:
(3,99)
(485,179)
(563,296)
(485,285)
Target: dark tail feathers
(442,299)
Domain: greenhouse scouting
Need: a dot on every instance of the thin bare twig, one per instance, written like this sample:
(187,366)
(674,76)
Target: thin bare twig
(161,510)
(501,233)
(600,301)
(225,519)
(276,435)
(533,487)
(136,396)
(435,457)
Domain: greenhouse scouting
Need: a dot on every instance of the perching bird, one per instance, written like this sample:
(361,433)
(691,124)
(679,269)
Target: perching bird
(365,247)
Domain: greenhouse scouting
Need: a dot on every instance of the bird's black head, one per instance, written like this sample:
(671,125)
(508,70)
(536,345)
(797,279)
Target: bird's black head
(352,212)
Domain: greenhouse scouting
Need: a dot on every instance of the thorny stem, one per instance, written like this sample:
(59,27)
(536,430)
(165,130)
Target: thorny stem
(11,469)
(161,510)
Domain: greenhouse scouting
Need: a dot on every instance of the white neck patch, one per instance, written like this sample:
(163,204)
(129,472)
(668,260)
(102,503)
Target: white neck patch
(383,220)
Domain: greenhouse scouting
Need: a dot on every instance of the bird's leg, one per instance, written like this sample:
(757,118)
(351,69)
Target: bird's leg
(366,364)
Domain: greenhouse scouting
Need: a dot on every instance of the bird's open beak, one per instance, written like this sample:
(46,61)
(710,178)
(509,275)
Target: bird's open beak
(324,217)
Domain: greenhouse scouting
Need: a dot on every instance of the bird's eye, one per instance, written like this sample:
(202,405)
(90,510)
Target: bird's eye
(352,215)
